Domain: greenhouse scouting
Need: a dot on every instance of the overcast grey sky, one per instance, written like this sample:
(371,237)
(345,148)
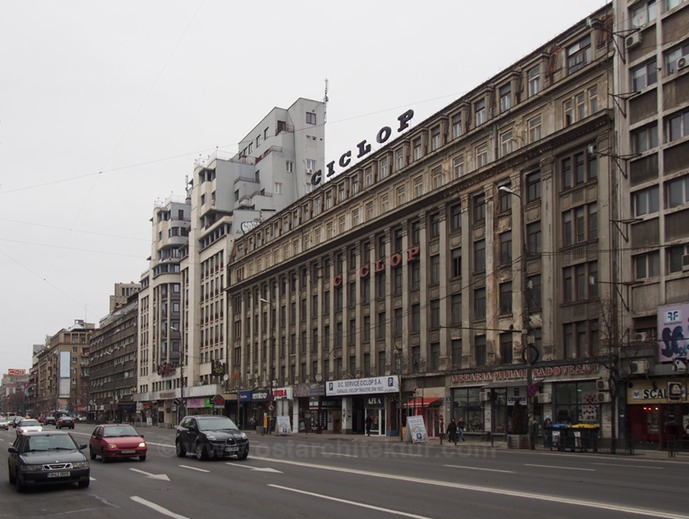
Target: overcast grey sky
(105,105)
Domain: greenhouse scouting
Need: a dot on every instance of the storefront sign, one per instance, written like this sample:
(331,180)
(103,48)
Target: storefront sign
(167,394)
(363,386)
(245,396)
(646,392)
(416,430)
(374,401)
(309,390)
(284,426)
(198,403)
(563,372)
(673,332)
(260,395)
(282,393)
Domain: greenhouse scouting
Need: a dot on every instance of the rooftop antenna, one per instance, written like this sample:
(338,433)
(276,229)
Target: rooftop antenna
(325,101)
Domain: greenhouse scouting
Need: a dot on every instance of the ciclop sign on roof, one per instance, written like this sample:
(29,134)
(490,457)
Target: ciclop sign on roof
(364,148)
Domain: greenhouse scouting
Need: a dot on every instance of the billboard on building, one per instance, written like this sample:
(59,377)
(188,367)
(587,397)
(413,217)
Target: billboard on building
(673,331)
(16,372)
(64,371)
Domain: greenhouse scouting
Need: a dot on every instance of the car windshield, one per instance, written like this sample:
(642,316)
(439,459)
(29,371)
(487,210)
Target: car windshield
(50,443)
(120,430)
(28,423)
(216,423)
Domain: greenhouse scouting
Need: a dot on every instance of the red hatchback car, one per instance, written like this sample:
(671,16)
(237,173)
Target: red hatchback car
(117,441)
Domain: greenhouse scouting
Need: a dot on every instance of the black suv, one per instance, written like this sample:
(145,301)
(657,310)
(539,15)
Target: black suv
(210,437)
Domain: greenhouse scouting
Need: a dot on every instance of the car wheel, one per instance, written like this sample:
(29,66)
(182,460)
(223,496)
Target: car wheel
(201,453)
(242,455)
(104,458)
(142,458)
(93,454)
(11,476)
(85,483)
(179,449)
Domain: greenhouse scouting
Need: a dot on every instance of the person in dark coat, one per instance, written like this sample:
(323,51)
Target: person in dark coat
(369,422)
(452,431)
(460,428)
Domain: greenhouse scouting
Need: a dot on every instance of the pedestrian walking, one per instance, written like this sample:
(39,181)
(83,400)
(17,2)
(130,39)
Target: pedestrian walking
(368,423)
(672,434)
(548,433)
(307,421)
(452,431)
(460,428)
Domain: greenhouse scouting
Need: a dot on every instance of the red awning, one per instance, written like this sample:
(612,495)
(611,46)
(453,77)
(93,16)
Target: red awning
(417,403)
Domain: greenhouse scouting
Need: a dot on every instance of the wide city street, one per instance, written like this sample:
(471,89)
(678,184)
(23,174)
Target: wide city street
(346,476)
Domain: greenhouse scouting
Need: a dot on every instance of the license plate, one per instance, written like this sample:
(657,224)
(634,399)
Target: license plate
(128,452)
(64,474)
(231,449)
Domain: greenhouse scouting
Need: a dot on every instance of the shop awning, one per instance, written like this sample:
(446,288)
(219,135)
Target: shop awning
(418,402)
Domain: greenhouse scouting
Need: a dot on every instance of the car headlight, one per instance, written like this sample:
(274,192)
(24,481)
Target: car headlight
(244,436)
(30,468)
(211,437)
(142,445)
(80,465)
(112,446)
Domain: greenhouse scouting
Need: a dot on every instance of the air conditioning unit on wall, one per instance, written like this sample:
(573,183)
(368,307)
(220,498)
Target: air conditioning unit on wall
(603,397)
(632,40)
(602,385)
(639,367)
(544,398)
(682,62)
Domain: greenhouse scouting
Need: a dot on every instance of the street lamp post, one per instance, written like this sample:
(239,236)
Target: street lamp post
(526,319)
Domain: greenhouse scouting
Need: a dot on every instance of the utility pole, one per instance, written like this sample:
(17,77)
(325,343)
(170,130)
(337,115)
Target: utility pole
(527,353)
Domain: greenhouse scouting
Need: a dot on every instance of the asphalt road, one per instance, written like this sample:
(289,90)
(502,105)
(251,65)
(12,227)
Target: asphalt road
(323,476)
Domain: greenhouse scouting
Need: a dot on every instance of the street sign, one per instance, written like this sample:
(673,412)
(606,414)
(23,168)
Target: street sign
(532,390)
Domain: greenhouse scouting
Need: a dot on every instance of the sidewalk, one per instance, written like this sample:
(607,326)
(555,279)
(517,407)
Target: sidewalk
(477,441)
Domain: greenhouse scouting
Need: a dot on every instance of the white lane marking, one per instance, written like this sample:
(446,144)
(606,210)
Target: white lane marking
(645,467)
(257,469)
(348,502)
(329,453)
(479,468)
(152,476)
(558,467)
(408,454)
(194,468)
(488,490)
(157,508)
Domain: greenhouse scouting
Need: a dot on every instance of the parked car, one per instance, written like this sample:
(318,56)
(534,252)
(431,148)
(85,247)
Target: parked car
(4,423)
(114,441)
(28,425)
(47,458)
(210,437)
(49,420)
(65,421)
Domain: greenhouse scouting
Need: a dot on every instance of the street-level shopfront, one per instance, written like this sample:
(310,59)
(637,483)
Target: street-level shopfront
(650,404)
(567,393)
(355,399)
